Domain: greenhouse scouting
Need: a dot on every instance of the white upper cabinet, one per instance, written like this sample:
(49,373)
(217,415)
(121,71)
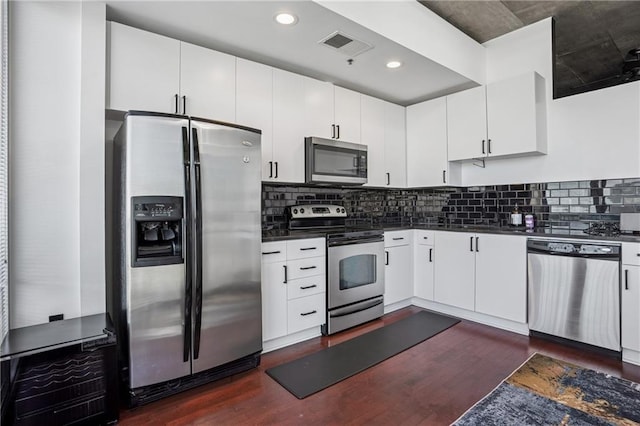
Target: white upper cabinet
(467,124)
(395,146)
(384,133)
(254,106)
(331,112)
(144,70)
(207,83)
(150,72)
(504,118)
(427,160)
(373,136)
(347,109)
(287,164)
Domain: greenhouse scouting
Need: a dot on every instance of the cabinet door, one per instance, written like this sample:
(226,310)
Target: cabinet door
(318,109)
(207,83)
(467,124)
(514,124)
(398,283)
(347,114)
(372,114)
(630,303)
(144,70)
(274,301)
(254,106)
(423,271)
(427,163)
(501,276)
(395,145)
(455,269)
(288,127)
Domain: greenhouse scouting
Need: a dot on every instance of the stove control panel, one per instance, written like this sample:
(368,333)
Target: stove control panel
(309,211)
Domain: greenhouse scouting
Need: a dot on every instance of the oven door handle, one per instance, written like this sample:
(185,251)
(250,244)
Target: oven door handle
(353,309)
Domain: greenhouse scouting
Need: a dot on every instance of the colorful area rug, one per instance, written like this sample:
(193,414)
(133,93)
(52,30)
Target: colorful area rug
(546,391)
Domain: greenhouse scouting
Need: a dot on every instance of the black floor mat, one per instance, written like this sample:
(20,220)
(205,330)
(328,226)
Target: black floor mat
(312,373)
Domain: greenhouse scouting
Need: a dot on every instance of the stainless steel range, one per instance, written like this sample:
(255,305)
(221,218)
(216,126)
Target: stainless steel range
(355,265)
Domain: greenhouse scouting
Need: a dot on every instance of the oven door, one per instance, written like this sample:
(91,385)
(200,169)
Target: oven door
(355,273)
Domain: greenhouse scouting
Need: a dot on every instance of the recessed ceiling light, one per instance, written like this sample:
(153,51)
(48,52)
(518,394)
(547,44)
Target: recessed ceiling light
(394,64)
(286,18)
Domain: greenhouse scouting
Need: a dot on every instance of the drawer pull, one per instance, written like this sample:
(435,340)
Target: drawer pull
(304,314)
(308,248)
(270,252)
(426,238)
(306,287)
(304,268)
(398,238)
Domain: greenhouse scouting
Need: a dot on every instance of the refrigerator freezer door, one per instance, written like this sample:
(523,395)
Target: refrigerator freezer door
(230,198)
(155,295)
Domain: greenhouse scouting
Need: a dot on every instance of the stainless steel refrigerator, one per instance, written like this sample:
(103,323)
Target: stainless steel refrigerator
(187,232)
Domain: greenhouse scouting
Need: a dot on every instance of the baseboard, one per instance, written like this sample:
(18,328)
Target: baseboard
(631,356)
(397,305)
(290,339)
(515,327)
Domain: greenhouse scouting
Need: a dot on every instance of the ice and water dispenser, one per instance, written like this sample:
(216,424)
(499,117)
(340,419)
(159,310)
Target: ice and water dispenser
(157,234)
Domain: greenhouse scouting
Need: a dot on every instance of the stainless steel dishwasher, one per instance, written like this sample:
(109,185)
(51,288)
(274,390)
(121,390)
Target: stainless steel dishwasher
(574,291)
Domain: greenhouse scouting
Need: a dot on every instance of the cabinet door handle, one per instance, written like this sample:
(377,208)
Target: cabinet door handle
(333,131)
(489,146)
(285,274)
(306,287)
(184,105)
(304,314)
(271,252)
(176,99)
(477,245)
(338,131)
(444,176)
(270,169)
(305,268)
(483,146)
(470,243)
(386,257)
(308,248)
(388,178)
(430,255)
(626,279)
(398,238)
(638,254)
(276,176)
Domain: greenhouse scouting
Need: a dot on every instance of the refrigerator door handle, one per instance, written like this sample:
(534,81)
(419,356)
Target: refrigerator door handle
(198,248)
(186,155)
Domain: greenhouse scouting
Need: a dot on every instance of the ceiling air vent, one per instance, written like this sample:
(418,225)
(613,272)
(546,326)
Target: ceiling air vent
(345,44)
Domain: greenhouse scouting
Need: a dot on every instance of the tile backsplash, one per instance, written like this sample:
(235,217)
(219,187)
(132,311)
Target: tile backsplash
(569,205)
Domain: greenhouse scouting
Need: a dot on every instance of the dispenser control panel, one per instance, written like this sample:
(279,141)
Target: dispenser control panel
(157,210)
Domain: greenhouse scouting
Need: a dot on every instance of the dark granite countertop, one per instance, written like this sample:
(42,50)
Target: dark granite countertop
(284,234)
(57,334)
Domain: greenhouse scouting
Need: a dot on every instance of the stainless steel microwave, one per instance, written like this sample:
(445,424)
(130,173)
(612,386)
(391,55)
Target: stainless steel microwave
(332,161)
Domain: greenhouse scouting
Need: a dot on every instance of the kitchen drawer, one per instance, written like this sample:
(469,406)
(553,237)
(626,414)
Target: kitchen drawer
(300,249)
(397,238)
(424,237)
(306,286)
(631,253)
(274,251)
(305,312)
(305,267)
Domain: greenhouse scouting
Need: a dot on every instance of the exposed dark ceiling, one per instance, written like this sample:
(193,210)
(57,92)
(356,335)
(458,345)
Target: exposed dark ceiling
(592,38)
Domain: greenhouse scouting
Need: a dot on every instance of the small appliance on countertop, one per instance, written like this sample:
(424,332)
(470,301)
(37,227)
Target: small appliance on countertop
(630,223)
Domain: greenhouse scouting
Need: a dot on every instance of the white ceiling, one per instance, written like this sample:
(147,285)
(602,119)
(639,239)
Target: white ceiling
(247,29)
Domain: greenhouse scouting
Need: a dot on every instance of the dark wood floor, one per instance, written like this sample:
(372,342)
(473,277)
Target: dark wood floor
(432,383)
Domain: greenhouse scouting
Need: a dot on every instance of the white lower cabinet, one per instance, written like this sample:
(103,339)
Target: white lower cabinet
(423,252)
(630,302)
(293,287)
(398,280)
(484,273)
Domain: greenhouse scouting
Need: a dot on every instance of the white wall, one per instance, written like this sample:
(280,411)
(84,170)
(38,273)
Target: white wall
(53,208)
(594,135)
